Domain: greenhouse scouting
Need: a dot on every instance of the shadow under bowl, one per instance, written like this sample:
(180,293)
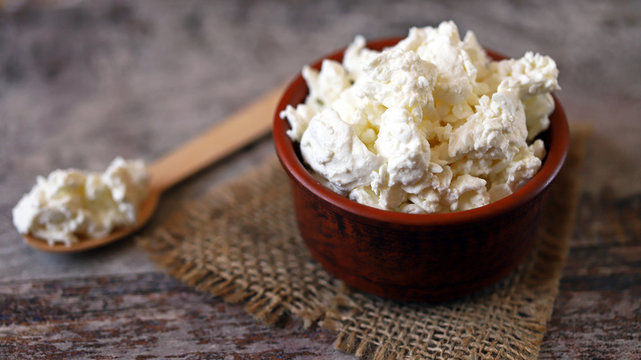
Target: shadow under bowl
(427,257)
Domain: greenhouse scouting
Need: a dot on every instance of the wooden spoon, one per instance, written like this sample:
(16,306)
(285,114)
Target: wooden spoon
(241,128)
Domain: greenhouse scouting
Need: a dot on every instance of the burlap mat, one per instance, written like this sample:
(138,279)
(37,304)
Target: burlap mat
(241,242)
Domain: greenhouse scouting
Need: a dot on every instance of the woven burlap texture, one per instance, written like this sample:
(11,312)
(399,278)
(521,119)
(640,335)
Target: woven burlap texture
(241,242)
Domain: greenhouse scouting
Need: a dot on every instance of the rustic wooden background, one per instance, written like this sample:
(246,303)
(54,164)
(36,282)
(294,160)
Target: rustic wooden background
(84,81)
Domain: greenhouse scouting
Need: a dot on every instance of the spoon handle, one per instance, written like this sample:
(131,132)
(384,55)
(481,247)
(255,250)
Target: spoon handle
(239,129)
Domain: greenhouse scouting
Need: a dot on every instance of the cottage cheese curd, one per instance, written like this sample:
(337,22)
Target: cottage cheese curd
(72,204)
(429,125)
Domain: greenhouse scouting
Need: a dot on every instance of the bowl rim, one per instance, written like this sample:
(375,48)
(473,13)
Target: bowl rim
(558,145)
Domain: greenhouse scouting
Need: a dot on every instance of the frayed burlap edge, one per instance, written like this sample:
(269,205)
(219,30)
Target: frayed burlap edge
(196,246)
(240,242)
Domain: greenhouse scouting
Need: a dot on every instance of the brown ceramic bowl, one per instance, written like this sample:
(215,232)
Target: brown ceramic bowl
(408,256)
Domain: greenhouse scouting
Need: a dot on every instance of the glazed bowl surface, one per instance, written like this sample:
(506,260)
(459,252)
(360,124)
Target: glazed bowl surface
(427,257)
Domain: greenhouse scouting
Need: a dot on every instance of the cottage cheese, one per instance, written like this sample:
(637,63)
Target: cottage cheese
(70,204)
(429,125)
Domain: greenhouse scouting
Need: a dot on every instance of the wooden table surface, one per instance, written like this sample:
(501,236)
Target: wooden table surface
(84,81)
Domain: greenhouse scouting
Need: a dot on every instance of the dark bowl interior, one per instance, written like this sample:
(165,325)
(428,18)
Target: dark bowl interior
(409,256)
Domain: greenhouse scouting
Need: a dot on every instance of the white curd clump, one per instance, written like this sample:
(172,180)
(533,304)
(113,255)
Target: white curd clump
(71,204)
(430,125)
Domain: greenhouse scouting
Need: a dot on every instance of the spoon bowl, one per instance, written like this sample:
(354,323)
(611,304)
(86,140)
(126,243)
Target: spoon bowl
(147,208)
(234,132)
